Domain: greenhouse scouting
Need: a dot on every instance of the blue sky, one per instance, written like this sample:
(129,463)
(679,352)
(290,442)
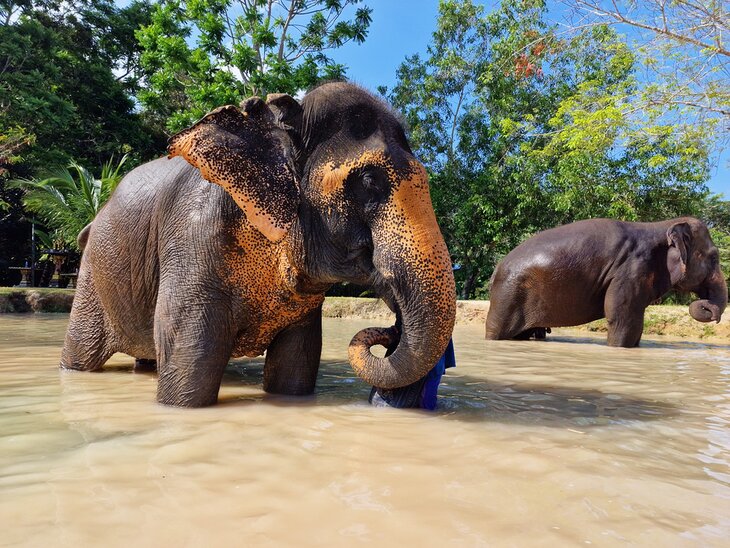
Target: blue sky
(403,27)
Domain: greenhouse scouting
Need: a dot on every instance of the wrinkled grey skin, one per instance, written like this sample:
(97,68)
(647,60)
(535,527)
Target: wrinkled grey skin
(580,272)
(174,271)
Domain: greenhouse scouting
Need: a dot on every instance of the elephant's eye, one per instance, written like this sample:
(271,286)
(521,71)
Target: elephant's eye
(368,188)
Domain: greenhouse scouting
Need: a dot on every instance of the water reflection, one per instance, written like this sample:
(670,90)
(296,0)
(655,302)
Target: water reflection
(535,443)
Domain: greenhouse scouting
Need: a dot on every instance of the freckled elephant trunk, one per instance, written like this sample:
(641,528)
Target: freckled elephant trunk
(410,254)
(713,299)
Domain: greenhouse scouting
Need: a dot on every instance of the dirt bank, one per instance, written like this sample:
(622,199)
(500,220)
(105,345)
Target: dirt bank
(358,307)
(659,320)
(36,299)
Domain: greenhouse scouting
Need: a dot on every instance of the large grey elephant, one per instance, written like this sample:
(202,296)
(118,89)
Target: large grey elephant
(583,271)
(190,273)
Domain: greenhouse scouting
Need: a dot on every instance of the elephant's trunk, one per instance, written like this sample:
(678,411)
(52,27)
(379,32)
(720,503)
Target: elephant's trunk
(714,299)
(411,256)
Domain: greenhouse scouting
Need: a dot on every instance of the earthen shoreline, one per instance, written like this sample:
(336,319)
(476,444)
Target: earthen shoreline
(659,320)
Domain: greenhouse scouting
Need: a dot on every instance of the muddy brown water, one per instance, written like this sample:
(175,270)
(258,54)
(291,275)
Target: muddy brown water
(565,442)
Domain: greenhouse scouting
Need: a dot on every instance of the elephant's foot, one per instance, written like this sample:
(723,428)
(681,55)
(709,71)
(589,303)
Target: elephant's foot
(193,349)
(87,345)
(625,332)
(84,352)
(95,363)
(187,386)
(503,327)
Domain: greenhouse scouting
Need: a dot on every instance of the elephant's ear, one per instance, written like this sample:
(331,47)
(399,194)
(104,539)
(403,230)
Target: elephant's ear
(287,111)
(243,151)
(679,236)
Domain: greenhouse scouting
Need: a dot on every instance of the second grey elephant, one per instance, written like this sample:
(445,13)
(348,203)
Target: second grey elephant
(580,272)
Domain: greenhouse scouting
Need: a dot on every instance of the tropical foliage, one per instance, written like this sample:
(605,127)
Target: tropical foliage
(88,80)
(240,49)
(60,94)
(69,200)
(683,45)
(522,123)
(524,128)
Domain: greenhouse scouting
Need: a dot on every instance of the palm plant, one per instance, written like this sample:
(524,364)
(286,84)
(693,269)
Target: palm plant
(70,199)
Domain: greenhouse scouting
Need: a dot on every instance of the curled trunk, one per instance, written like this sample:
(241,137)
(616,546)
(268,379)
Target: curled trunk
(420,347)
(713,302)
(411,257)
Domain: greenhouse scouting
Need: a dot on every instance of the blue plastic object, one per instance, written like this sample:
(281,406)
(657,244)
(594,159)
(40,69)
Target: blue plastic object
(429,392)
(422,393)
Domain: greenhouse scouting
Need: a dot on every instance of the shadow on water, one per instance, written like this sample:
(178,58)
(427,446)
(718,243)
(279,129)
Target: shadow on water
(472,399)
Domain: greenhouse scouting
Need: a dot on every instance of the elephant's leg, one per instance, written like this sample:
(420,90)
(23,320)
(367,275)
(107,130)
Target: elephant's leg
(505,322)
(292,358)
(194,341)
(86,346)
(625,317)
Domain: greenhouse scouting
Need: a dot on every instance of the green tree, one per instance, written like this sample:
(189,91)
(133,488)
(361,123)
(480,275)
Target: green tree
(69,200)
(13,139)
(241,48)
(682,47)
(717,216)
(523,128)
(58,89)
(682,43)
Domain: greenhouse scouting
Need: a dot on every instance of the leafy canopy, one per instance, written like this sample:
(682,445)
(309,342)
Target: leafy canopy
(69,200)
(683,46)
(523,128)
(200,54)
(59,95)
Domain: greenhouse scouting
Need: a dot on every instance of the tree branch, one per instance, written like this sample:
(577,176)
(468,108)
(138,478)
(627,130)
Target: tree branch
(454,123)
(691,104)
(285,28)
(618,16)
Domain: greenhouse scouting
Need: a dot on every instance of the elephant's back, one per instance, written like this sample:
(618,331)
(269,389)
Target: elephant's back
(124,235)
(584,245)
(152,183)
(559,276)
(154,201)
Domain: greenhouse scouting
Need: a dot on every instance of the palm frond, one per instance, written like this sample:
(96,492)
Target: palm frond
(70,199)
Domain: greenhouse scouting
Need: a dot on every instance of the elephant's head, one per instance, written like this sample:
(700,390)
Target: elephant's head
(358,210)
(694,265)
